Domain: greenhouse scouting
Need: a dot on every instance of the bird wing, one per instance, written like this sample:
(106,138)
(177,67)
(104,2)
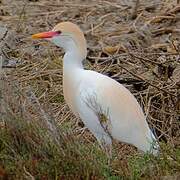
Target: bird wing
(117,110)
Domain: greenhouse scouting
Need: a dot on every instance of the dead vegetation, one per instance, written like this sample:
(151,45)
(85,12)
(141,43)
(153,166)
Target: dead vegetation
(135,42)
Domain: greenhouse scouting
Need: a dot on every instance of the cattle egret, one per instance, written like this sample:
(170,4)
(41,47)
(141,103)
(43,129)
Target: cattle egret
(107,108)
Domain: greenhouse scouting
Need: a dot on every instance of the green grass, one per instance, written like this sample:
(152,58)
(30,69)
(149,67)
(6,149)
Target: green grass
(26,149)
(148,166)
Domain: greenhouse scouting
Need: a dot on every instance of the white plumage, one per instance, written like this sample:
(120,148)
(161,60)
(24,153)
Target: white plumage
(106,107)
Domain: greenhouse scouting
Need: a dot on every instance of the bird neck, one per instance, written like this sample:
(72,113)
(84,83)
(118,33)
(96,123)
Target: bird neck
(72,69)
(72,60)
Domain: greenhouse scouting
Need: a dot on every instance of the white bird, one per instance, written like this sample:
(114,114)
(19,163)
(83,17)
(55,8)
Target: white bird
(107,108)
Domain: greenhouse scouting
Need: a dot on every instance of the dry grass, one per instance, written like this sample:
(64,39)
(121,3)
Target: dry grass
(138,45)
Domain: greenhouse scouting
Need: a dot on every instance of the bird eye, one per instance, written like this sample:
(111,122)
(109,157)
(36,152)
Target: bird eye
(58,32)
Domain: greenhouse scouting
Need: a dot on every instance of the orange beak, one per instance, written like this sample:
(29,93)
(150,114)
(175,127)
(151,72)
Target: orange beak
(43,35)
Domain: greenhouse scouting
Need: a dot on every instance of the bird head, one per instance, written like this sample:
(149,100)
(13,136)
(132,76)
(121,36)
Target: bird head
(67,36)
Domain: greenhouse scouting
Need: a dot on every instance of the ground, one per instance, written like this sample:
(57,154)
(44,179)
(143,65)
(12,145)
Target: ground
(134,42)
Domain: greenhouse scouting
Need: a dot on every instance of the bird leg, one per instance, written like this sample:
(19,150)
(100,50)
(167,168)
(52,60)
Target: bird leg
(107,147)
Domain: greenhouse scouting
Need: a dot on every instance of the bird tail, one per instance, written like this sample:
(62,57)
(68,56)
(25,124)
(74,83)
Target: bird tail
(152,144)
